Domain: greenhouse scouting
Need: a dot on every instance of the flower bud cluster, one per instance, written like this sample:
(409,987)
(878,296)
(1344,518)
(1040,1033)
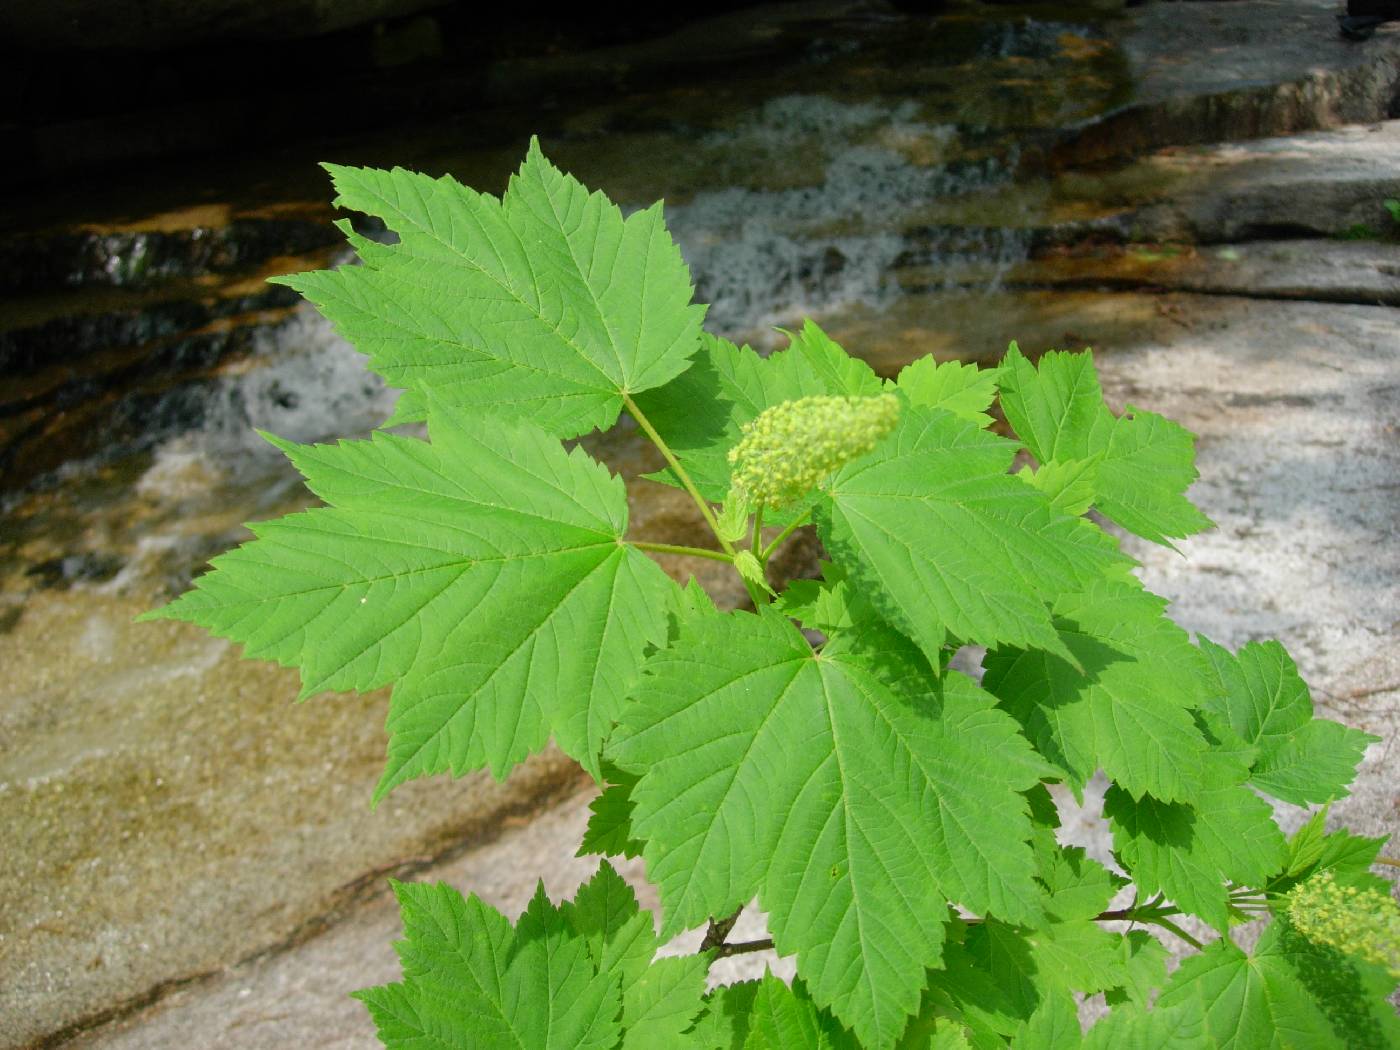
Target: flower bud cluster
(788,449)
(1360,923)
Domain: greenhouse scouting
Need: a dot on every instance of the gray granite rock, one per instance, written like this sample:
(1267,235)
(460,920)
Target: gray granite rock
(1296,407)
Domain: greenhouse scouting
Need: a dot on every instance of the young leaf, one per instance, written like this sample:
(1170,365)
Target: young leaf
(1056,408)
(545,304)
(1314,851)
(483,570)
(1299,758)
(830,605)
(1143,463)
(1069,484)
(962,389)
(852,791)
(943,541)
(470,980)
(1076,886)
(1128,710)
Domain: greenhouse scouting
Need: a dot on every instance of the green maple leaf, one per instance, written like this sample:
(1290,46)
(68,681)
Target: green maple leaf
(962,389)
(944,542)
(546,303)
(851,790)
(1179,1027)
(470,980)
(1346,857)
(1127,708)
(1069,484)
(1142,462)
(1003,980)
(724,1025)
(1190,852)
(1285,994)
(783,1016)
(1053,1026)
(485,571)
(701,413)
(1299,758)
(609,829)
(661,998)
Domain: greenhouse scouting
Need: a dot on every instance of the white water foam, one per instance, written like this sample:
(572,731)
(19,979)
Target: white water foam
(764,256)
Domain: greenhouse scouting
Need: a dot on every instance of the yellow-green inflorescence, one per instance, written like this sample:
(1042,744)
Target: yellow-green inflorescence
(1364,924)
(788,449)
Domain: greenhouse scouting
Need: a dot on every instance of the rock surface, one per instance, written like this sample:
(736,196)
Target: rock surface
(247,894)
(1297,411)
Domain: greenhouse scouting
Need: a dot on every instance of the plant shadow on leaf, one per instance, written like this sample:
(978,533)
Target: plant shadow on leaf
(1336,987)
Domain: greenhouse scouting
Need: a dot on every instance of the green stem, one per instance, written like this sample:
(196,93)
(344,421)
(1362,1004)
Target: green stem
(690,552)
(1167,924)
(756,595)
(758,533)
(678,470)
(797,523)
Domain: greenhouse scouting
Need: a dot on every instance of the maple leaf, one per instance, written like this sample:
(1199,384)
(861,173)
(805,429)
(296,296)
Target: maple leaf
(962,389)
(1190,852)
(1284,994)
(851,791)
(1142,463)
(484,571)
(581,975)
(945,542)
(470,980)
(1128,706)
(1298,758)
(660,997)
(544,304)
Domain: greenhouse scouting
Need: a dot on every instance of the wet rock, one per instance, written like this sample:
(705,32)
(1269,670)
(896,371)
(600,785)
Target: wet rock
(189,243)
(1319,184)
(1363,272)
(1217,73)
(85,567)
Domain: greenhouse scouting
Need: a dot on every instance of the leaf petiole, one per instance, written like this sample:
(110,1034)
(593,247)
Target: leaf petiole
(755,595)
(689,552)
(796,524)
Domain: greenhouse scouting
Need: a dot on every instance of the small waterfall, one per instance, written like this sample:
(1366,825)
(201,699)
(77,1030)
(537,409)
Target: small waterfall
(765,256)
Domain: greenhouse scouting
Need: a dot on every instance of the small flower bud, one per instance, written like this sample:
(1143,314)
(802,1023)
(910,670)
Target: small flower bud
(788,449)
